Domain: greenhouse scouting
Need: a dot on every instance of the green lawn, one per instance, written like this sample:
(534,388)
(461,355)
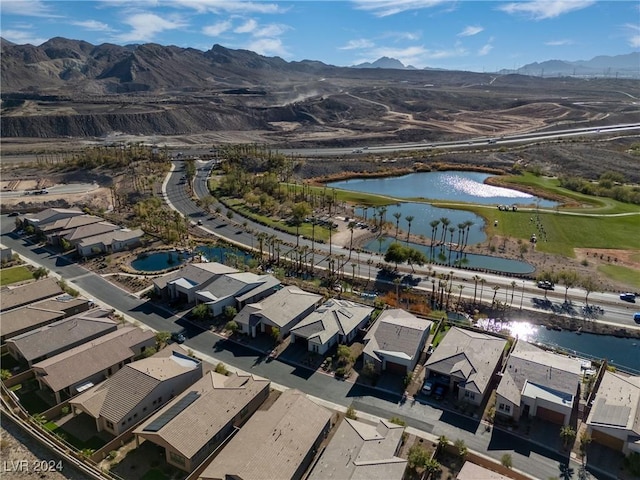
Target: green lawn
(626,275)
(354,198)
(94,443)
(305,229)
(552,185)
(14,274)
(564,232)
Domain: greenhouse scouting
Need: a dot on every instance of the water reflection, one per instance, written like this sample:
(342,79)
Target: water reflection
(624,353)
(455,186)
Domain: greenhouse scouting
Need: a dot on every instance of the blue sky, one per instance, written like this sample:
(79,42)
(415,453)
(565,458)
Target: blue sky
(466,35)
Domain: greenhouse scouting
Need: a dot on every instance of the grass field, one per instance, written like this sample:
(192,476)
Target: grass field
(14,274)
(622,274)
(305,229)
(354,198)
(552,185)
(564,232)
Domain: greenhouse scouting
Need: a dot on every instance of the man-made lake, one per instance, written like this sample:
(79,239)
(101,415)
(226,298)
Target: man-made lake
(452,186)
(155,262)
(467,260)
(623,353)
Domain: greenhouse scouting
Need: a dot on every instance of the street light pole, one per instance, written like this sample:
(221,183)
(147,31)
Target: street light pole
(522,295)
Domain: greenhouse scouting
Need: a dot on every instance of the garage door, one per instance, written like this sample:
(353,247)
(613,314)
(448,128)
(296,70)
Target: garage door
(607,440)
(550,416)
(396,368)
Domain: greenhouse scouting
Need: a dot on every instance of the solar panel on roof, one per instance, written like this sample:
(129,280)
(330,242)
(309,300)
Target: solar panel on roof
(172,412)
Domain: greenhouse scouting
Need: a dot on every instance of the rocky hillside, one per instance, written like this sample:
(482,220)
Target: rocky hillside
(71,88)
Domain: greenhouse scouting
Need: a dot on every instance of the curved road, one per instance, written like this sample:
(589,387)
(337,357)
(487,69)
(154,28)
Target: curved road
(614,311)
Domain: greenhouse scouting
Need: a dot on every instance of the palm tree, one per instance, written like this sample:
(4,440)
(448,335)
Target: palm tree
(513,290)
(409,219)
(382,211)
(261,238)
(433,293)
(460,236)
(434,227)
(396,282)
(352,225)
(482,282)
(397,216)
(451,230)
(468,224)
(476,279)
(461,287)
(369,262)
(445,223)
(353,273)
(495,292)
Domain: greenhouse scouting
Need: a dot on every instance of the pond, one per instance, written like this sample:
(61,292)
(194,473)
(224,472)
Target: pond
(452,186)
(623,353)
(158,261)
(423,214)
(466,260)
(214,253)
(155,262)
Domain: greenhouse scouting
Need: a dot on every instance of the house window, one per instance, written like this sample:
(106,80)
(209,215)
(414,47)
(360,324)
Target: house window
(470,395)
(144,409)
(507,408)
(501,407)
(135,415)
(109,425)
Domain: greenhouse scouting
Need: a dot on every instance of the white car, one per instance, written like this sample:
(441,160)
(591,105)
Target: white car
(427,388)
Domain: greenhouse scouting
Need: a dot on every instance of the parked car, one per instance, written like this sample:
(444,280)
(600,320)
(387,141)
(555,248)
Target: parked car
(178,337)
(427,388)
(14,214)
(636,317)
(545,285)
(430,349)
(628,297)
(440,392)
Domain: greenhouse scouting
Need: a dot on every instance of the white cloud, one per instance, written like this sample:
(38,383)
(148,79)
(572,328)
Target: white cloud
(470,31)
(543,9)
(485,50)
(22,37)
(357,44)
(559,43)
(271,30)
(633,35)
(92,25)
(145,26)
(30,8)
(411,36)
(247,27)
(227,6)
(217,28)
(268,47)
(384,8)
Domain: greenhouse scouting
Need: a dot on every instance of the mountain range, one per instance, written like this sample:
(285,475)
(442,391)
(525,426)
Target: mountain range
(601,66)
(62,64)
